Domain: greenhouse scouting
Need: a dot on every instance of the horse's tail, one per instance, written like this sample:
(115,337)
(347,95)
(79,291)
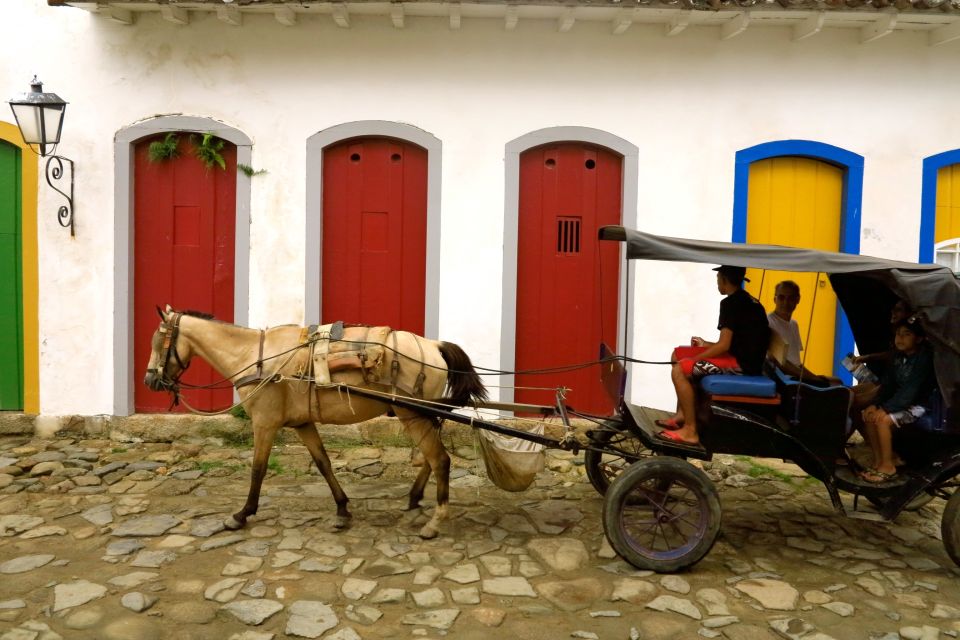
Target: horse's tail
(463,383)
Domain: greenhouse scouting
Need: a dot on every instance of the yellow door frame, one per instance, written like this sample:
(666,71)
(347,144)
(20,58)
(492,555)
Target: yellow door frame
(29,267)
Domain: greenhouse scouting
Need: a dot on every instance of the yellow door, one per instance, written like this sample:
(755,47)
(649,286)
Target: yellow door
(797,202)
(947,229)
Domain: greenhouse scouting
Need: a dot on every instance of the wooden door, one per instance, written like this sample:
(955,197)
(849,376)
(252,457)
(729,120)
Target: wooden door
(567,281)
(947,227)
(798,202)
(375,233)
(11,281)
(184,229)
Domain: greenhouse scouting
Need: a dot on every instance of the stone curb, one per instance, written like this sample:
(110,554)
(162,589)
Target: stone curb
(173,427)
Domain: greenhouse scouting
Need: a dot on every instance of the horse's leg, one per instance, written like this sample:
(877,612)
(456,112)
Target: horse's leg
(263,437)
(416,491)
(426,433)
(311,439)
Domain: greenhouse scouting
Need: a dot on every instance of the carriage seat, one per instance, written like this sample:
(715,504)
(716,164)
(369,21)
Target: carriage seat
(741,386)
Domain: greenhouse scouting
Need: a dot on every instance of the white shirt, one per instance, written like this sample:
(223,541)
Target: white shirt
(789,330)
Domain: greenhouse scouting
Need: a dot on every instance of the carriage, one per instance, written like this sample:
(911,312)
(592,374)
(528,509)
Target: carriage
(661,511)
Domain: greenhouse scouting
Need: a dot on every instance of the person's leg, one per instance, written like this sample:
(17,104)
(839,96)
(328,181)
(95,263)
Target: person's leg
(883,434)
(686,399)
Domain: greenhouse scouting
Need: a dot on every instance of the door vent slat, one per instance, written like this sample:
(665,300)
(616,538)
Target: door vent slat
(568,235)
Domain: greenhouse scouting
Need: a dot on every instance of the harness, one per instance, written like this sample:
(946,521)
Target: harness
(170,333)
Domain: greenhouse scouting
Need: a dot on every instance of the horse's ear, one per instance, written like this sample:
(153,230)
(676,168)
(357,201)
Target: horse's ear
(160,313)
(169,309)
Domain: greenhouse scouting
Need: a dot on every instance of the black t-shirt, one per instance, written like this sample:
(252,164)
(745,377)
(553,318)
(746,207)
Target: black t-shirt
(745,316)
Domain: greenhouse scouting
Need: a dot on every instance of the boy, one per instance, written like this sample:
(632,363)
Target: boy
(906,383)
(741,348)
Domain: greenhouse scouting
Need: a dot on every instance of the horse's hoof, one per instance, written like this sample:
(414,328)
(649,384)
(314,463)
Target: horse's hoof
(232,523)
(341,522)
(428,532)
(413,505)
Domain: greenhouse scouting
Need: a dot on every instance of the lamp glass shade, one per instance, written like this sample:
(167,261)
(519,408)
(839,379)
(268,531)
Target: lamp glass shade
(39,116)
(39,123)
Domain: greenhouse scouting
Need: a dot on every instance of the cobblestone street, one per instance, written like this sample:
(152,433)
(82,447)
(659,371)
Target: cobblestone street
(113,541)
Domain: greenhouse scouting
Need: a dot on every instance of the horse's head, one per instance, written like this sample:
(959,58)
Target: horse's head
(168,360)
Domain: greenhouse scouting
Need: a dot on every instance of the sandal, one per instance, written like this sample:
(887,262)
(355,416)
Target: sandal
(878,477)
(674,437)
(668,423)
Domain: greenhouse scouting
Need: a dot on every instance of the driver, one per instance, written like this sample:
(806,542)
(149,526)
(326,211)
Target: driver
(741,349)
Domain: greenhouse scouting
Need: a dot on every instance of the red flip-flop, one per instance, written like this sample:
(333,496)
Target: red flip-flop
(674,437)
(668,423)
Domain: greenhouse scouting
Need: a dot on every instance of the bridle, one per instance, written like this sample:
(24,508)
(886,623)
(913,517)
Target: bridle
(170,331)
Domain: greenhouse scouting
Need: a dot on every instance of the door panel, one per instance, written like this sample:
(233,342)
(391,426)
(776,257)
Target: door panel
(11,281)
(375,233)
(184,230)
(567,281)
(798,202)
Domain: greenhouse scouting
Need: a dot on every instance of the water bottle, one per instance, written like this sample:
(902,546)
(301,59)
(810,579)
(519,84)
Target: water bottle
(859,371)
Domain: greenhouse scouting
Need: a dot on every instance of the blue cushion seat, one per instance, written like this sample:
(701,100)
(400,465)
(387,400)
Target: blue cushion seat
(728,384)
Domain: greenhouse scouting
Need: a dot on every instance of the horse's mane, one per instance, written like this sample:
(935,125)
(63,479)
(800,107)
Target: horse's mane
(198,314)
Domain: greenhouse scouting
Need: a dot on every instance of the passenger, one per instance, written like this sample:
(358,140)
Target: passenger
(786,297)
(741,348)
(899,312)
(865,393)
(906,383)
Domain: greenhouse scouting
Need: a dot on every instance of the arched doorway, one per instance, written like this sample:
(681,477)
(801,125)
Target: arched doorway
(375,233)
(567,281)
(185,231)
(940,212)
(802,194)
(184,235)
(397,133)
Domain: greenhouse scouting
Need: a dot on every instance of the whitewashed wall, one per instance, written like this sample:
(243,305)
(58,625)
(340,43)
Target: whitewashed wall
(689,103)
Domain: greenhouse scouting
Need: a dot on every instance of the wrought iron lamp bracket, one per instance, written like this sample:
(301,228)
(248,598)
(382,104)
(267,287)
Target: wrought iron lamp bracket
(54,173)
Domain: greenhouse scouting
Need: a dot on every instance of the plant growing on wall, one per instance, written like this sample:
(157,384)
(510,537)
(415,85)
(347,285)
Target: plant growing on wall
(249,171)
(166,149)
(208,150)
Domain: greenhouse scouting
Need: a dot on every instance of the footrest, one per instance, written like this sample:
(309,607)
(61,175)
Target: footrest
(733,385)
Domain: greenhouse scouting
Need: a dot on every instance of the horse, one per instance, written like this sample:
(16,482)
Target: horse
(270,370)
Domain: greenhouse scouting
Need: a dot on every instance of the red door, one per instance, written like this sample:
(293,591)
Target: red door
(184,227)
(567,281)
(375,233)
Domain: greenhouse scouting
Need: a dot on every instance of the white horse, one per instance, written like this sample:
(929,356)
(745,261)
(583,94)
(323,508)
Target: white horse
(269,369)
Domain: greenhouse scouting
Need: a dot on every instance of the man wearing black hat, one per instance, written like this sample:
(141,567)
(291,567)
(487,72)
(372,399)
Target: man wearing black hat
(741,349)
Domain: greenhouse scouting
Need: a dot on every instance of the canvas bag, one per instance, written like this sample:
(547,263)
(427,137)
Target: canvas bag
(512,463)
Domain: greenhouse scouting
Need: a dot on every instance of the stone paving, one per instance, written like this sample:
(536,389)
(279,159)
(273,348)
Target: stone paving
(124,541)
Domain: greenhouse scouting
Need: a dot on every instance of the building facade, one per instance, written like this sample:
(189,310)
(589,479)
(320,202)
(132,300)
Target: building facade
(442,167)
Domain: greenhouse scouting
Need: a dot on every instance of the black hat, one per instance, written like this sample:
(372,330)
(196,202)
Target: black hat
(914,325)
(736,275)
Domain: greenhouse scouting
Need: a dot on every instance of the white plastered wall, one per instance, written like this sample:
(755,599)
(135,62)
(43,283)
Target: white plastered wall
(689,103)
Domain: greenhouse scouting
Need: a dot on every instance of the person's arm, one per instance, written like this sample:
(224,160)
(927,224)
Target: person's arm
(717,348)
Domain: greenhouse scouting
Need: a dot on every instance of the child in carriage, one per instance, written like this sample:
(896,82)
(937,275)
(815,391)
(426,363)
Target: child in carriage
(906,384)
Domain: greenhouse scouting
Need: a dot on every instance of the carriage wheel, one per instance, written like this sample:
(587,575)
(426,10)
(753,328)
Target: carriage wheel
(662,514)
(950,527)
(622,449)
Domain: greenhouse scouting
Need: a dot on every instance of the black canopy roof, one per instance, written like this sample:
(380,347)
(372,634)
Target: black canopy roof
(866,288)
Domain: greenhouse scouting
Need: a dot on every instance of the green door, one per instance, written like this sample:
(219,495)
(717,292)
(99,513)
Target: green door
(11,298)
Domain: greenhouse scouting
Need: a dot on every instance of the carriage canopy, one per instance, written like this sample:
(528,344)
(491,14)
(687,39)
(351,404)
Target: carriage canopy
(866,288)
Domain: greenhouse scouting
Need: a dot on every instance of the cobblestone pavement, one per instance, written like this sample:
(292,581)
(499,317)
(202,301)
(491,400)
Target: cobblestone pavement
(114,541)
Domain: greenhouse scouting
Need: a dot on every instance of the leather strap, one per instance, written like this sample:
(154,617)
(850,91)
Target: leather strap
(254,377)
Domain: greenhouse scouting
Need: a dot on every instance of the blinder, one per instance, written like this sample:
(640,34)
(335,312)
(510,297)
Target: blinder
(170,332)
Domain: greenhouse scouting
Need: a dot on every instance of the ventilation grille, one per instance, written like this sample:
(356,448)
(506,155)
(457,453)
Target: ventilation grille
(568,236)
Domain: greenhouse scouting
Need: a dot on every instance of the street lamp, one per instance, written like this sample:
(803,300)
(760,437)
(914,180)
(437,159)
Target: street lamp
(39,117)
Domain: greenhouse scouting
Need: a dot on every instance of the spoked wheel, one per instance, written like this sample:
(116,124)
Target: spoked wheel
(950,527)
(662,514)
(622,449)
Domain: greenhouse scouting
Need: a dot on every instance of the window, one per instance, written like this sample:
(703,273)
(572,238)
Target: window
(947,253)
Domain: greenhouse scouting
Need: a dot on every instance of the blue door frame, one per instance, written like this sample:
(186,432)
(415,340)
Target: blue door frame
(852,164)
(928,200)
